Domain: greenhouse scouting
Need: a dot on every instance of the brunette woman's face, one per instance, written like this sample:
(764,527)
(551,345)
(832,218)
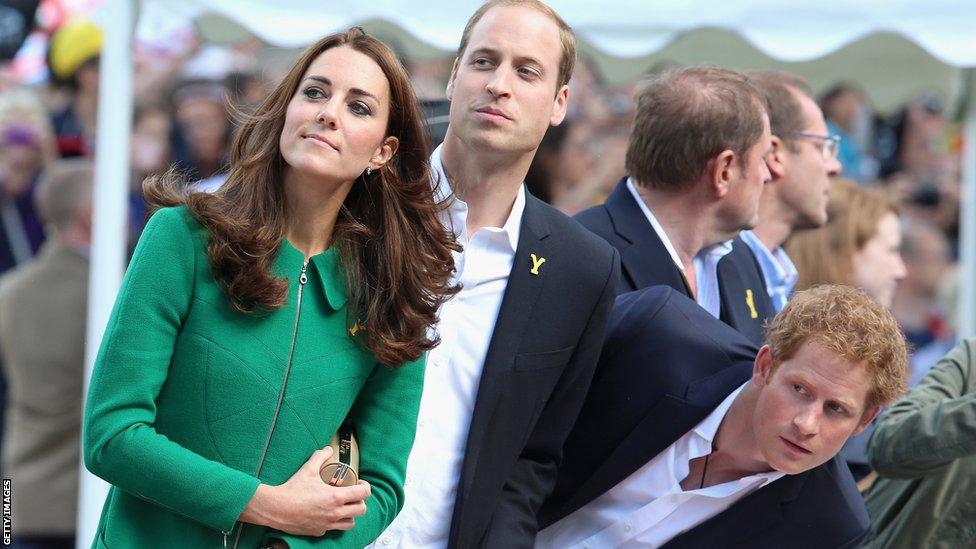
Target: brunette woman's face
(878,265)
(335,125)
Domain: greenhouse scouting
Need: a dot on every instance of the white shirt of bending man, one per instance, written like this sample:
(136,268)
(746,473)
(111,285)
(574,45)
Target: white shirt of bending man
(465,326)
(706,261)
(649,508)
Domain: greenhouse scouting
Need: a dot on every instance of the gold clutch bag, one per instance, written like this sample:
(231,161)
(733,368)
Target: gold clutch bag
(342,468)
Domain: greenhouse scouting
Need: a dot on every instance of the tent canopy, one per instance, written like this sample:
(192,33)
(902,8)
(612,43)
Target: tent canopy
(788,31)
(892,49)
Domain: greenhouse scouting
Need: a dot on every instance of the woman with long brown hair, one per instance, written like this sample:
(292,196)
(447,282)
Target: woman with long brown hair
(859,245)
(252,322)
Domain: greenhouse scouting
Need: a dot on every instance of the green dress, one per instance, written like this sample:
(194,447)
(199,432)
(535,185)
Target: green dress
(185,391)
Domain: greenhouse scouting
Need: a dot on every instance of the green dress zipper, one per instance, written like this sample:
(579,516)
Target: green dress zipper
(302,279)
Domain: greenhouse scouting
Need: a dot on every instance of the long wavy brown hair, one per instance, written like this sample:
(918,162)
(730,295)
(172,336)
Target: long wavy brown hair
(395,251)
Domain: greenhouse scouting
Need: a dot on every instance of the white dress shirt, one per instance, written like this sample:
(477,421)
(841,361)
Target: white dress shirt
(453,373)
(705,261)
(649,507)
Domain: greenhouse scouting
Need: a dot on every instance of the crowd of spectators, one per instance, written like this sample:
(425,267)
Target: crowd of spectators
(187,106)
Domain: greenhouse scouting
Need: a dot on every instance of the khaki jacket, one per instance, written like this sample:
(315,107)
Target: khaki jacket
(42,341)
(924,450)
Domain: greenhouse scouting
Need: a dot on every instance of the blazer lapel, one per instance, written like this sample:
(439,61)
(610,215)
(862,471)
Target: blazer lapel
(525,283)
(667,421)
(646,261)
(746,519)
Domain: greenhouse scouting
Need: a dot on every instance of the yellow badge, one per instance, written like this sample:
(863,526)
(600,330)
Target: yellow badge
(752,304)
(355,329)
(536,263)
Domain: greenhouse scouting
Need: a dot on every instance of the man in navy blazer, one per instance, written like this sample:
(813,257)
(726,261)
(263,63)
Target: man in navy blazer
(696,158)
(689,437)
(520,341)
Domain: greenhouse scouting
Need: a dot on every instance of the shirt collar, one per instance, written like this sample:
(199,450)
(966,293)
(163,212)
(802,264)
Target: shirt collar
(708,427)
(456,213)
(655,225)
(716,251)
(777,266)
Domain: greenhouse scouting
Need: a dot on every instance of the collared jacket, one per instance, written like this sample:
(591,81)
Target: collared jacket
(184,417)
(645,262)
(42,342)
(924,450)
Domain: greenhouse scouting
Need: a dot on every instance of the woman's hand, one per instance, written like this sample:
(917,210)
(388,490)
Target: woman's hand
(306,506)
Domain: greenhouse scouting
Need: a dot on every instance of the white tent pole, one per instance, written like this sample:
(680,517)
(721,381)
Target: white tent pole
(967,214)
(110,209)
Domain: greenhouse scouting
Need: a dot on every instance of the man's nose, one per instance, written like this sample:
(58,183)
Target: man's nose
(499,85)
(833,166)
(807,421)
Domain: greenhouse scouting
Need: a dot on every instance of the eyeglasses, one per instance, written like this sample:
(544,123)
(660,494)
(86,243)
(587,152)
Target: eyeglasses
(829,144)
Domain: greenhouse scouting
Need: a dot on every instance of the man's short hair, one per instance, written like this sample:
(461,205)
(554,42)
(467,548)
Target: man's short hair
(685,118)
(63,189)
(567,39)
(848,322)
(781,88)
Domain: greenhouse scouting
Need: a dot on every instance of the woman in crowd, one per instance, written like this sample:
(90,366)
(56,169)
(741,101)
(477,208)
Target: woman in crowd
(253,321)
(859,246)
(27,148)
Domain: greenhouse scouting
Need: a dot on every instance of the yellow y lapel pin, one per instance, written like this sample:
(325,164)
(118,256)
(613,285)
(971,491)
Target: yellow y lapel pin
(536,263)
(355,329)
(751,303)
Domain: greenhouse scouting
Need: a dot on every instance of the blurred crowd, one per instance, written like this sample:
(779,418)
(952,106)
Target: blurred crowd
(186,105)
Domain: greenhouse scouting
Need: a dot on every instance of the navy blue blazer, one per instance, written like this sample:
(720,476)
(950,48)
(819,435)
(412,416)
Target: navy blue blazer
(541,357)
(666,364)
(646,262)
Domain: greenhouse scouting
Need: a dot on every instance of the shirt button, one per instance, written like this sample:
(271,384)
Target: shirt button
(421,423)
(626,528)
(386,541)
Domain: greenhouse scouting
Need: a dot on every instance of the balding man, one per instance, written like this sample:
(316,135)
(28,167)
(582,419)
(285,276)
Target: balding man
(696,159)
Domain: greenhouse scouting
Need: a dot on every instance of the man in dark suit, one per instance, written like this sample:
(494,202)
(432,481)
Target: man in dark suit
(801,163)
(696,159)
(520,342)
(690,438)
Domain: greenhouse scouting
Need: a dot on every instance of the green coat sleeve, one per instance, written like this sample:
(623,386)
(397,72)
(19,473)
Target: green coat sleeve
(385,418)
(934,424)
(121,444)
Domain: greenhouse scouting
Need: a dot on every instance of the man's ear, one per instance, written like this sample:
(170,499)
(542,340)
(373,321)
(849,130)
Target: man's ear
(559,106)
(866,418)
(723,170)
(776,159)
(762,367)
(450,81)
